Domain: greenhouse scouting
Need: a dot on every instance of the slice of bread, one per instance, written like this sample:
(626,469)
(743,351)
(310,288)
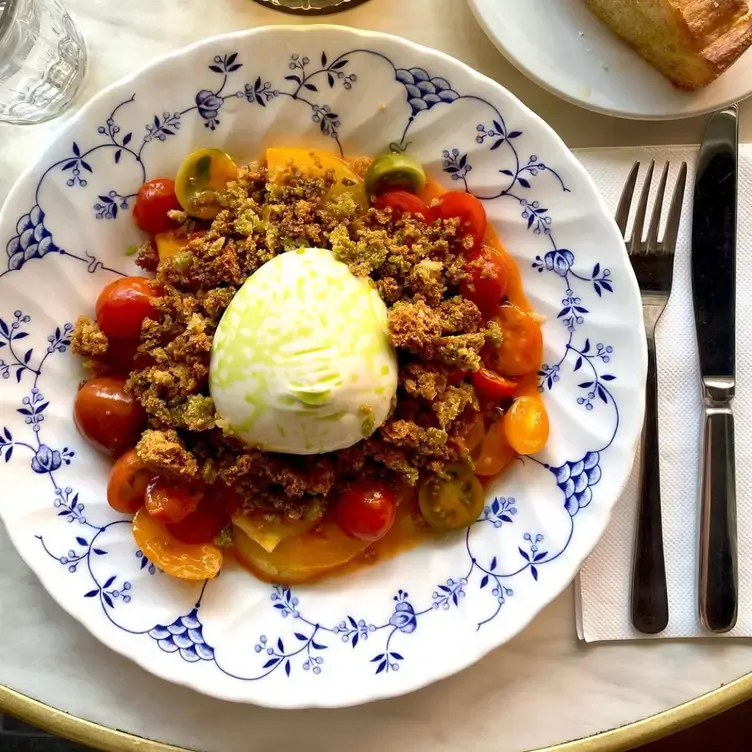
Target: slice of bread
(690,41)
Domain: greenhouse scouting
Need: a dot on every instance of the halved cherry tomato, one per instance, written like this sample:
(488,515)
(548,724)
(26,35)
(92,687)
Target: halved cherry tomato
(300,559)
(123,305)
(127,485)
(487,283)
(402,202)
(453,501)
(154,199)
(465,207)
(171,502)
(521,348)
(107,415)
(201,526)
(456,377)
(366,510)
(491,386)
(526,425)
(495,453)
(475,433)
(183,560)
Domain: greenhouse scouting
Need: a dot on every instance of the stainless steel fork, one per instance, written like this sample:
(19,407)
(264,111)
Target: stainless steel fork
(653,264)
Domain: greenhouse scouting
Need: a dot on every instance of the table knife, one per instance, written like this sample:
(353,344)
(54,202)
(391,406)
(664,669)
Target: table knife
(714,296)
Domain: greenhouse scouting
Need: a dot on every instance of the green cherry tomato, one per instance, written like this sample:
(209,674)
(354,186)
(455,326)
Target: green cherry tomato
(204,174)
(394,172)
(454,501)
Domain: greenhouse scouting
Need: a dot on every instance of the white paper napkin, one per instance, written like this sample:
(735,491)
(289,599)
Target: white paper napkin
(603,588)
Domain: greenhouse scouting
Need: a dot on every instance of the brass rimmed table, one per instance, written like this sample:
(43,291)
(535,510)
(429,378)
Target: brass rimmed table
(541,691)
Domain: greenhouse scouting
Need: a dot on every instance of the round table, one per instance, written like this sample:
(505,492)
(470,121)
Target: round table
(542,690)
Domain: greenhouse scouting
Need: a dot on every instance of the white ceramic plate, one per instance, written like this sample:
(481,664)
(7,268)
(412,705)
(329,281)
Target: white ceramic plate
(425,614)
(563,47)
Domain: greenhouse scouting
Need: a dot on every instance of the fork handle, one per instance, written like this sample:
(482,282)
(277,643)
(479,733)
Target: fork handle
(649,592)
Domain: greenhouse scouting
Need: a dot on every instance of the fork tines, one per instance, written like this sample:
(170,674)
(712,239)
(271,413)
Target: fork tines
(635,243)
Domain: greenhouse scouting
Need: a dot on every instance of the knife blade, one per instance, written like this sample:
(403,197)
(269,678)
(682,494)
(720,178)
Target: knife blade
(714,229)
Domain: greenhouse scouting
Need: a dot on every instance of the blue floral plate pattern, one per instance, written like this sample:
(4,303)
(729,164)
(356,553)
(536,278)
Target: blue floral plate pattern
(425,614)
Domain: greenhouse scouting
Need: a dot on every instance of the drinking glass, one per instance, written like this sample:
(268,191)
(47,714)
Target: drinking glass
(42,60)
(311,7)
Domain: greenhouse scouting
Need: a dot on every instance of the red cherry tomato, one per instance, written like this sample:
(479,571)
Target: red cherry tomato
(127,484)
(123,305)
(468,209)
(492,386)
(107,415)
(402,202)
(201,526)
(169,502)
(487,283)
(366,511)
(155,198)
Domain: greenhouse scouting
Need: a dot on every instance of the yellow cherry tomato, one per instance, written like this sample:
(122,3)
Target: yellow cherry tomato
(183,560)
(526,425)
(453,501)
(317,163)
(204,174)
(495,453)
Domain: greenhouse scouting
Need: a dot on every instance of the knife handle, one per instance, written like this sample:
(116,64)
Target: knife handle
(718,548)
(649,604)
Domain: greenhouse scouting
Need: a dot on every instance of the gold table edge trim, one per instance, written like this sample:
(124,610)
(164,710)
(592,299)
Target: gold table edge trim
(617,740)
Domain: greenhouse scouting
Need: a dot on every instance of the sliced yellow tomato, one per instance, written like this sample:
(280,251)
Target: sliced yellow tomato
(183,560)
(453,501)
(204,174)
(316,163)
(270,530)
(170,243)
(306,557)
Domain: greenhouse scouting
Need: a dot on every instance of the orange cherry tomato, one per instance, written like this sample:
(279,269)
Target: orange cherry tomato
(495,453)
(526,425)
(107,415)
(402,202)
(123,305)
(465,207)
(487,283)
(201,526)
(170,502)
(154,199)
(127,485)
(366,510)
(475,433)
(183,560)
(521,349)
(491,386)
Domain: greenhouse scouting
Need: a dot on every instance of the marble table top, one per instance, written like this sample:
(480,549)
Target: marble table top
(543,688)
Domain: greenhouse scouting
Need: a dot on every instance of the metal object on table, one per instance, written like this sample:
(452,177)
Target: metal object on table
(42,60)
(311,7)
(714,295)
(653,264)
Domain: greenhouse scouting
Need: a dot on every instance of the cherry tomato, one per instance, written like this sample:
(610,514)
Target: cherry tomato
(127,485)
(521,348)
(123,305)
(402,202)
(154,199)
(170,502)
(487,283)
(183,560)
(491,386)
(366,510)
(201,526)
(526,425)
(465,207)
(475,433)
(453,501)
(456,377)
(107,415)
(495,453)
